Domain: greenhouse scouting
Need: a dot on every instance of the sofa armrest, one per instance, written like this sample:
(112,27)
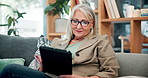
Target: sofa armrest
(132,64)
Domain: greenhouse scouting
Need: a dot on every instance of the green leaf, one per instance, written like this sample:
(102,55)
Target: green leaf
(16,31)
(66,9)
(16,20)
(10,31)
(3,24)
(13,21)
(48,8)
(10,20)
(5,5)
(20,15)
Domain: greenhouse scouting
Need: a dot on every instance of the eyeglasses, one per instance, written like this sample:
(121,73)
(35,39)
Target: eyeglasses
(83,22)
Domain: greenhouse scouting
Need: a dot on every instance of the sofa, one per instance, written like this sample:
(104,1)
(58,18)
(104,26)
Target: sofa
(16,46)
(131,64)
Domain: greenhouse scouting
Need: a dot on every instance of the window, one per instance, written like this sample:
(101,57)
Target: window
(33,22)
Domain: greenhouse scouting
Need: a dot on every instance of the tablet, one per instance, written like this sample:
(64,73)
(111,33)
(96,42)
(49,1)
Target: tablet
(56,61)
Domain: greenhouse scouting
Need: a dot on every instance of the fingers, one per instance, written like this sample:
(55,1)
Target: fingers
(66,76)
(71,76)
(38,59)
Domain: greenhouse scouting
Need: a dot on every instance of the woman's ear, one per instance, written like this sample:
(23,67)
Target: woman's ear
(92,24)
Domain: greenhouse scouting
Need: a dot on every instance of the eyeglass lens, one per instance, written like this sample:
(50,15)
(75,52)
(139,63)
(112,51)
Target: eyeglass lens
(76,22)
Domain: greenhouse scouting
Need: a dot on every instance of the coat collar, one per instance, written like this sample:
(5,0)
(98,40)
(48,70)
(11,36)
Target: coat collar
(62,44)
(87,42)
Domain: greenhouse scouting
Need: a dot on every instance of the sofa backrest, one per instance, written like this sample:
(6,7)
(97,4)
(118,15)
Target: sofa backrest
(16,46)
(132,64)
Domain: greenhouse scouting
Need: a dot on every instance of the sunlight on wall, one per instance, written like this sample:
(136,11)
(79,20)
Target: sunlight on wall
(32,23)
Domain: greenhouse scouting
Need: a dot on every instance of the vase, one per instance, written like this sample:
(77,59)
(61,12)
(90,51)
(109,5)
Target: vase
(61,24)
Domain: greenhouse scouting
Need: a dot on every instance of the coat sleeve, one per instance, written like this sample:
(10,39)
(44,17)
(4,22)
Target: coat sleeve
(107,60)
(42,41)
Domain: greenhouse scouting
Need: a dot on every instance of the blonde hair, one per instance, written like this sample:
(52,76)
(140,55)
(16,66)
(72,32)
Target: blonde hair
(90,15)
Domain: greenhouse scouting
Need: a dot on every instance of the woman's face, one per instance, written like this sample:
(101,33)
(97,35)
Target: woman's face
(80,30)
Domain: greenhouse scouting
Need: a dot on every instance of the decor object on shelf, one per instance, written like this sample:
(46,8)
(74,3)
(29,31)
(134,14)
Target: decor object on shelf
(125,4)
(61,24)
(136,13)
(129,10)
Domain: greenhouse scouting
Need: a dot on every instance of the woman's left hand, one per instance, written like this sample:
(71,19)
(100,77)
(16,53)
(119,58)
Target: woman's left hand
(71,76)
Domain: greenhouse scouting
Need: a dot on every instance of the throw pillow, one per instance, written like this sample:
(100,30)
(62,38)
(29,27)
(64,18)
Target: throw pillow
(6,61)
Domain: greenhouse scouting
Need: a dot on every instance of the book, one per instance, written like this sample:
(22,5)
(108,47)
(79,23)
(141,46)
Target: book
(119,5)
(108,9)
(115,9)
(111,8)
(144,10)
(144,14)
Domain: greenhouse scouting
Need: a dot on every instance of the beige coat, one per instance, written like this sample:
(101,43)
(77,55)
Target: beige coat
(95,56)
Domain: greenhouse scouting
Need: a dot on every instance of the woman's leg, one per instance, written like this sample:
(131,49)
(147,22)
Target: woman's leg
(19,71)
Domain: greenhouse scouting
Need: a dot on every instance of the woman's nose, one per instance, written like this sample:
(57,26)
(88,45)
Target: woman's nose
(79,26)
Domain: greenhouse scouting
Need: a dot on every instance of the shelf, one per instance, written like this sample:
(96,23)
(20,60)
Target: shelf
(106,27)
(53,35)
(96,11)
(145,40)
(56,34)
(122,20)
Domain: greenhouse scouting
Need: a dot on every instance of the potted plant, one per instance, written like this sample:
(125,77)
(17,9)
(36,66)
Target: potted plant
(12,19)
(59,7)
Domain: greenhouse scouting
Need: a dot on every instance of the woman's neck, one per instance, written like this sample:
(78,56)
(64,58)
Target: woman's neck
(78,39)
(74,41)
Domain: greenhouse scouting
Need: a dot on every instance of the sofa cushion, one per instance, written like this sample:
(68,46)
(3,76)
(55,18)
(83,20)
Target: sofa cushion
(16,46)
(6,61)
(132,64)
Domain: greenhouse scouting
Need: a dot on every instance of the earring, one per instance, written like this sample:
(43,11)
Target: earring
(91,29)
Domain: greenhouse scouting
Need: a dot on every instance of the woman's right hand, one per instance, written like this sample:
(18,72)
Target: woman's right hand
(39,60)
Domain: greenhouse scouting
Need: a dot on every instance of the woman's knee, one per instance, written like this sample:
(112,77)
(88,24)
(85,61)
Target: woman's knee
(19,70)
(11,67)
(7,70)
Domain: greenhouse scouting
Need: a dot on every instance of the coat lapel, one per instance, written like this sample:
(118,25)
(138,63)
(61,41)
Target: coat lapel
(87,43)
(61,44)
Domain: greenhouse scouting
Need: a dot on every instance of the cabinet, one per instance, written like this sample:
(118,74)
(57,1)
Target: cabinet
(105,24)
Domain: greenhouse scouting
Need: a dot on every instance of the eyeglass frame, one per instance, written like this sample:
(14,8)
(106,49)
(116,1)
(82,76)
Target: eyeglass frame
(80,22)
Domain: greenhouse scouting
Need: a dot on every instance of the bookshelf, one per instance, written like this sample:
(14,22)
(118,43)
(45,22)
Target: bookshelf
(105,26)
(135,27)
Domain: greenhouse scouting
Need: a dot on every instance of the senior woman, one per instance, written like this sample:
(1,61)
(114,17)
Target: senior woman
(93,56)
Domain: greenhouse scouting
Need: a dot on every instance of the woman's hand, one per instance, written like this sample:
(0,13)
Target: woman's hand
(71,76)
(76,76)
(38,58)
